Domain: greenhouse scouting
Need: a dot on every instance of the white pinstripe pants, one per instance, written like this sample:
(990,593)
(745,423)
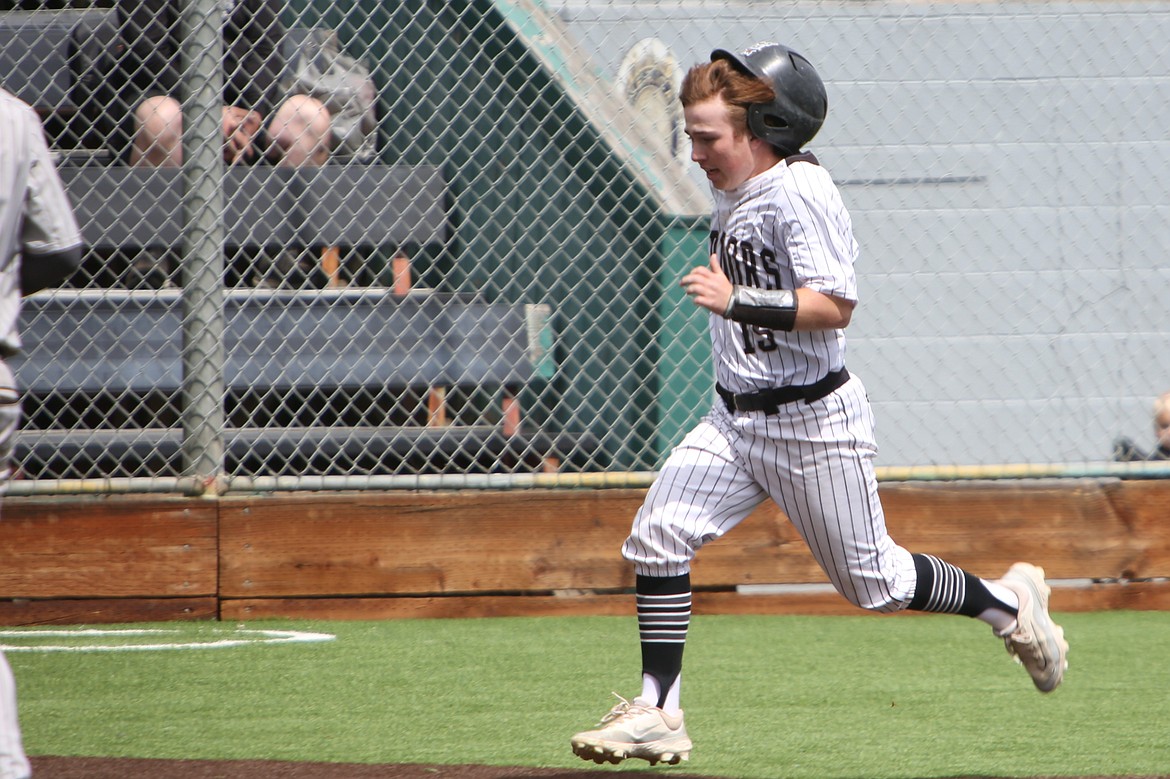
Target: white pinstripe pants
(13,763)
(815,460)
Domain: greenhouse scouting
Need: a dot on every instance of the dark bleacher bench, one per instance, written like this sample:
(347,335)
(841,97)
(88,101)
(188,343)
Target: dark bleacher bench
(332,382)
(35,49)
(368,210)
(34,55)
(352,205)
(35,52)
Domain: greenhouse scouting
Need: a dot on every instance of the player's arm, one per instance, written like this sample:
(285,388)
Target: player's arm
(46,270)
(818,311)
(782,309)
(50,238)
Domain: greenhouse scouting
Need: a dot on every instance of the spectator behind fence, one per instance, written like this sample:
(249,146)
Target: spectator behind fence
(1125,450)
(40,246)
(260,124)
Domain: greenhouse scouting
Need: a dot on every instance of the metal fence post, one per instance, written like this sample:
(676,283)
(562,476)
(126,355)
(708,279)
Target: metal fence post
(203,244)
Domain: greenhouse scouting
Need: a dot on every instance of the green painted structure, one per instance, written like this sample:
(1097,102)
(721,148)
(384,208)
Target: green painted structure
(548,205)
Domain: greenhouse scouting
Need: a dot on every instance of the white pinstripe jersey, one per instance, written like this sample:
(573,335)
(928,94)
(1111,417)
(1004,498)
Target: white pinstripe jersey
(35,214)
(782,229)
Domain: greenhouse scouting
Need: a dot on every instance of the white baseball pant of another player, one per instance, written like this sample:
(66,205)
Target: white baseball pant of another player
(13,762)
(39,247)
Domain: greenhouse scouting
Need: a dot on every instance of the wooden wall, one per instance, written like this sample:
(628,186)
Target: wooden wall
(94,559)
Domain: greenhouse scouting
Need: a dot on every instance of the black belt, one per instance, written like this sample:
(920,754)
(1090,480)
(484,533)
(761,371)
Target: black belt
(770,400)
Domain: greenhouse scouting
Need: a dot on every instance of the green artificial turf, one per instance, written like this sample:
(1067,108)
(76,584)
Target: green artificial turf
(766,697)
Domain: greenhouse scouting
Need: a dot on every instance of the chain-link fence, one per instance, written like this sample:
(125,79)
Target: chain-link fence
(469,274)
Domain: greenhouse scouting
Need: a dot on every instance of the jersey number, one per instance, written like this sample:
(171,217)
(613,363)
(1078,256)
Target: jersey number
(757,338)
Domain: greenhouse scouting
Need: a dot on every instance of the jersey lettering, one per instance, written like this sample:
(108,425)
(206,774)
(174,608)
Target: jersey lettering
(771,278)
(746,266)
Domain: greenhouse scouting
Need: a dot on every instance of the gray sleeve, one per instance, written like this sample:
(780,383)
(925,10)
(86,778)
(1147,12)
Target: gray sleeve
(49,222)
(50,237)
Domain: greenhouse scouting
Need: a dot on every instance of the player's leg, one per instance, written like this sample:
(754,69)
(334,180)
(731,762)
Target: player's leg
(155,141)
(827,486)
(13,763)
(816,462)
(701,492)
(299,135)
(300,132)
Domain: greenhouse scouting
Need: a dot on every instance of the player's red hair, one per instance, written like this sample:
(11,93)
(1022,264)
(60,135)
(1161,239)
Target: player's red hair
(720,79)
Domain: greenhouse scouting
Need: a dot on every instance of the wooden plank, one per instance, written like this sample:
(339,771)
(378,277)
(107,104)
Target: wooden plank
(525,552)
(1071,527)
(98,547)
(1144,596)
(425,543)
(1113,596)
(1150,596)
(1144,508)
(101,611)
(467,542)
(457,606)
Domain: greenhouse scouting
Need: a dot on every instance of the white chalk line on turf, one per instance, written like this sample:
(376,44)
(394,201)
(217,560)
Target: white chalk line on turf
(236,637)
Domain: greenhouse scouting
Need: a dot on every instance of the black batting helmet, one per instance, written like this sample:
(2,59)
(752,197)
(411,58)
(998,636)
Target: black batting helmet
(794,117)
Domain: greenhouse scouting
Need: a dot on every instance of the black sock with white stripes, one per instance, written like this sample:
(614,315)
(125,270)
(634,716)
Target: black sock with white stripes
(946,589)
(664,614)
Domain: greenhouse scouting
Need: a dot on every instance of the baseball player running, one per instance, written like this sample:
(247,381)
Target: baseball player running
(40,246)
(788,422)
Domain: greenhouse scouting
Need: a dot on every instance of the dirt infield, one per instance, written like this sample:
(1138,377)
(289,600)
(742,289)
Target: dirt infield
(137,768)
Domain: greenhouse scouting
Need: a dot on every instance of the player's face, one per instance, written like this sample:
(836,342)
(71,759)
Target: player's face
(728,159)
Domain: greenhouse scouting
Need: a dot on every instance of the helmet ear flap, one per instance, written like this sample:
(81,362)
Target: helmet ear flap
(770,120)
(766,124)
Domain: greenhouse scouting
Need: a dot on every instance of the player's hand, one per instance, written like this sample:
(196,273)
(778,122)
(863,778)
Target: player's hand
(708,287)
(240,129)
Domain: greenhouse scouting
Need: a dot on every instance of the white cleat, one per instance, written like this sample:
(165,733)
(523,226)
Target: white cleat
(1036,642)
(635,729)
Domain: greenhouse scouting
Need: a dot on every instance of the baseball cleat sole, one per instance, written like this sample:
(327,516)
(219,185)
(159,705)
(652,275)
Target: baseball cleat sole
(616,753)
